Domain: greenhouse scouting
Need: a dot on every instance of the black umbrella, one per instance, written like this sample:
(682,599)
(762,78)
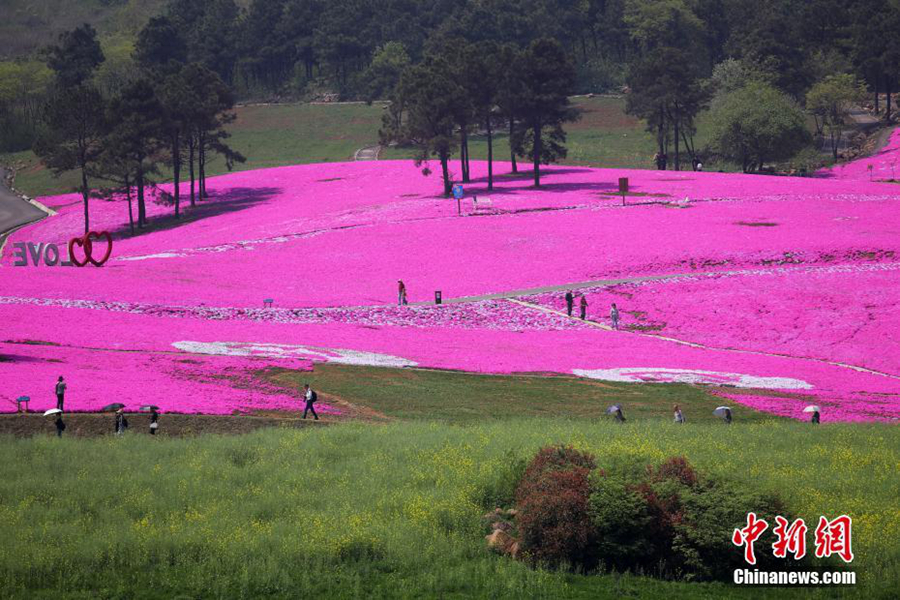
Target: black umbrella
(113,407)
(148,407)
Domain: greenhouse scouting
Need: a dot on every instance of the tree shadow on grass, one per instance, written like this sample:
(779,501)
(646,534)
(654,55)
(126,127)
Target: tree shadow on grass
(219,202)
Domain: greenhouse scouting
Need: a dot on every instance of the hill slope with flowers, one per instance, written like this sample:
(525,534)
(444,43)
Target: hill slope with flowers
(745,282)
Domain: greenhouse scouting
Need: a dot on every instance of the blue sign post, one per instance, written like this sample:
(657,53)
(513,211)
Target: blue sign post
(458,194)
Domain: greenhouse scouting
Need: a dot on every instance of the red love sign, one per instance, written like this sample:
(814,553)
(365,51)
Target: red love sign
(86,242)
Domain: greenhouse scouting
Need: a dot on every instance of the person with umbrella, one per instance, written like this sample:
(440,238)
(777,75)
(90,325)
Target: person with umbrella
(616,409)
(60,426)
(815,413)
(154,417)
(121,422)
(725,413)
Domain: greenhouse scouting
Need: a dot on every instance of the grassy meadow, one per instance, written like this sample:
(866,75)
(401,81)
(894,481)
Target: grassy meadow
(460,398)
(289,134)
(390,510)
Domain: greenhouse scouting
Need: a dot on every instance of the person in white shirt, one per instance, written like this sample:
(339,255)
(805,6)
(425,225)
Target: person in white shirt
(311,398)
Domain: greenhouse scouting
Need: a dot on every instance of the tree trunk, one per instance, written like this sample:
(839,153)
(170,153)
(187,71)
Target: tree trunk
(85,194)
(887,105)
(536,151)
(191,166)
(176,169)
(512,150)
(676,122)
(490,144)
(130,210)
(202,164)
(464,153)
(142,210)
(876,94)
(445,171)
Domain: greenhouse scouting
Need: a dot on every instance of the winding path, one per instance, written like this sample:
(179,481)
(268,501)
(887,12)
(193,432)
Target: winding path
(14,212)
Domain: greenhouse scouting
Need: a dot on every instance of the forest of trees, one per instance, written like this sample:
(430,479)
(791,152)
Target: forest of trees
(451,67)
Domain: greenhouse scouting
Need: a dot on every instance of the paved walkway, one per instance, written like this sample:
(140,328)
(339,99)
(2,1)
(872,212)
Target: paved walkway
(14,212)
(367,153)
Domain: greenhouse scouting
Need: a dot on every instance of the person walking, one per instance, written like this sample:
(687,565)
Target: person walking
(154,421)
(60,426)
(584,305)
(311,398)
(60,392)
(614,316)
(727,416)
(620,418)
(401,293)
(815,418)
(570,301)
(679,417)
(121,422)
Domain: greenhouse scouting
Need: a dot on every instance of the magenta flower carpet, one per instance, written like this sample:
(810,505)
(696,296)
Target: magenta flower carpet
(777,291)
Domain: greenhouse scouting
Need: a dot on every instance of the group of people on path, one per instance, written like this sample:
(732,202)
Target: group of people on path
(120,423)
(583,305)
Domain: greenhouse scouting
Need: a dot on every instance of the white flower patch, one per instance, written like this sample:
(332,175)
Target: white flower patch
(663,375)
(290,351)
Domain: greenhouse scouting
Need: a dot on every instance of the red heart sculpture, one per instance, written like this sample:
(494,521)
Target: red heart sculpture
(89,247)
(80,242)
(86,242)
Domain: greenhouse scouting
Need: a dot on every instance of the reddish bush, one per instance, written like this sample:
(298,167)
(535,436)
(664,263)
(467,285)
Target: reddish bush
(552,496)
(551,458)
(677,469)
(553,521)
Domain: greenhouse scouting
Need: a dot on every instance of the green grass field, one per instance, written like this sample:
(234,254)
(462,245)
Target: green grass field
(462,398)
(288,134)
(391,510)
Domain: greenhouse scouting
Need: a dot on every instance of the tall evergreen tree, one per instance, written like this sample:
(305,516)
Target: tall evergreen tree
(71,139)
(548,78)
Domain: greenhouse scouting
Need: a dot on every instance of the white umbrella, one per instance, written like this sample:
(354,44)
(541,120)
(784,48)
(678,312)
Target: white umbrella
(720,411)
(812,408)
(613,408)
(52,411)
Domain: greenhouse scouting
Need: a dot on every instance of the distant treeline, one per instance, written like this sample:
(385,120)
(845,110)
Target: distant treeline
(357,49)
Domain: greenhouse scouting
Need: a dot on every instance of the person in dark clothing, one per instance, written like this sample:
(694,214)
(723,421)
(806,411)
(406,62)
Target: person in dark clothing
(60,392)
(584,306)
(311,398)
(620,418)
(60,426)
(663,161)
(121,422)
(815,418)
(570,301)
(727,416)
(154,421)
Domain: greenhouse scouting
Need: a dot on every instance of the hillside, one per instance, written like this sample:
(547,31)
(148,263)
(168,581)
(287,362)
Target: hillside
(28,25)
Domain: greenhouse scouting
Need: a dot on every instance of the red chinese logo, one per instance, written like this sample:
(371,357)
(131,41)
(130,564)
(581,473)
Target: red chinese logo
(833,537)
(746,536)
(790,539)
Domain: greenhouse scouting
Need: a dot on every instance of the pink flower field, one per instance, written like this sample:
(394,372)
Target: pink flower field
(785,285)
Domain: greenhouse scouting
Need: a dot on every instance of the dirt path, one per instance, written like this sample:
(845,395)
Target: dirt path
(705,347)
